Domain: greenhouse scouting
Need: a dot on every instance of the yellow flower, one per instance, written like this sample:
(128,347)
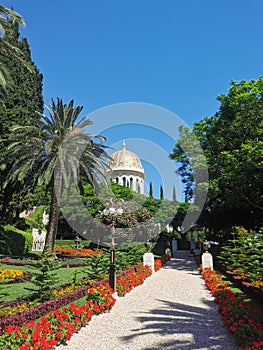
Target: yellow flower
(10,274)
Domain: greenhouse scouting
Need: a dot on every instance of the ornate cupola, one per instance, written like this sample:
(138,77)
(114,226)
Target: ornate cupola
(127,170)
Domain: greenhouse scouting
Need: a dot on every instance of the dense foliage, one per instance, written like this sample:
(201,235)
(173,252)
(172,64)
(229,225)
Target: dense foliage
(232,142)
(9,19)
(14,241)
(53,151)
(242,255)
(22,101)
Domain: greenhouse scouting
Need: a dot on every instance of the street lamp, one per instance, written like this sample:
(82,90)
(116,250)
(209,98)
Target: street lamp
(113,207)
(148,245)
(206,245)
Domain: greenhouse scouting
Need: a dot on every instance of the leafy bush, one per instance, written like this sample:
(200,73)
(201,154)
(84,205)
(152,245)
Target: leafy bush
(244,254)
(130,255)
(14,241)
(44,277)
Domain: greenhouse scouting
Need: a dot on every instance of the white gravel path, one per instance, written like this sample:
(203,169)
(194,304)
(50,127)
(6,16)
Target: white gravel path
(171,310)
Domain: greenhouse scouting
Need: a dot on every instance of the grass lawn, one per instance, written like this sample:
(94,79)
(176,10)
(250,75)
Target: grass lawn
(14,291)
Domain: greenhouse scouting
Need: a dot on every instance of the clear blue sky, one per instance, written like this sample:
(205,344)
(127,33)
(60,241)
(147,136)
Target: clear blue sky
(175,54)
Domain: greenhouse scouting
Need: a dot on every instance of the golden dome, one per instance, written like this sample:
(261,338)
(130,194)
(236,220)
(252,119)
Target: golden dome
(125,160)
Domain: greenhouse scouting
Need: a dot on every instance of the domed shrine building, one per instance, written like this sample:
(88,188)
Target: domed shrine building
(127,170)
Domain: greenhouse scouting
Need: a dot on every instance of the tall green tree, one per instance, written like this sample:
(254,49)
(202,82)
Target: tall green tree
(20,105)
(192,164)
(151,191)
(56,151)
(174,194)
(161,192)
(192,167)
(232,141)
(8,20)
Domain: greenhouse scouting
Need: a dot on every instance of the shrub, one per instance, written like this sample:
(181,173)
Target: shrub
(44,277)
(16,242)
(243,255)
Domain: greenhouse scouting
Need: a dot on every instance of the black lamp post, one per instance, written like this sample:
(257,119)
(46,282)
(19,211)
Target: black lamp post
(148,245)
(114,208)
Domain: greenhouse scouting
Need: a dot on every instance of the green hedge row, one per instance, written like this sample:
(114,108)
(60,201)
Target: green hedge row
(14,241)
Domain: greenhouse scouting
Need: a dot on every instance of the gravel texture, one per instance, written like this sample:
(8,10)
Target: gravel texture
(171,310)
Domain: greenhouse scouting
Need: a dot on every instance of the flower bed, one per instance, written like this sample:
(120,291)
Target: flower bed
(40,310)
(157,264)
(61,295)
(17,262)
(7,274)
(84,252)
(55,321)
(58,326)
(254,288)
(237,314)
(125,283)
(67,261)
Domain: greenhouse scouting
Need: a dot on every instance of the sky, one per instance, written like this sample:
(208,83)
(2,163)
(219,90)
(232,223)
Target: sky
(154,64)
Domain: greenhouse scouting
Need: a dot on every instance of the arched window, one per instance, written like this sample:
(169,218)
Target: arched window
(124,181)
(117,180)
(131,183)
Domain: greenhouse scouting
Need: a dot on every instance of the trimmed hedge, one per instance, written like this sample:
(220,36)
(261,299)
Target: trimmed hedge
(14,241)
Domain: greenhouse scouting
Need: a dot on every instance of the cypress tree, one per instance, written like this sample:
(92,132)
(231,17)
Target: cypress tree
(20,106)
(161,192)
(151,191)
(174,194)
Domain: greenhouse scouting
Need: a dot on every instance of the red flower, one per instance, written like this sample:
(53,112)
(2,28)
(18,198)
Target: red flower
(25,347)
(24,336)
(59,335)
(9,329)
(30,325)
(257,343)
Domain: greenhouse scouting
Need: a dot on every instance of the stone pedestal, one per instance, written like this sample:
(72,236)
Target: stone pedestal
(148,259)
(39,238)
(207,261)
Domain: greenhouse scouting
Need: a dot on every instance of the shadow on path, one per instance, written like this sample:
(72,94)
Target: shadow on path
(190,328)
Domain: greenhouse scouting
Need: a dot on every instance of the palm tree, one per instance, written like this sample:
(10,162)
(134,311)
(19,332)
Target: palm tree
(8,20)
(56,151)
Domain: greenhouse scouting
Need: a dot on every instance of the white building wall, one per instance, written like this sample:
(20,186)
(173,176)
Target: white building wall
(131,180)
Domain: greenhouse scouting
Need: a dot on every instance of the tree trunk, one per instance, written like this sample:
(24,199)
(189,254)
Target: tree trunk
(54,211)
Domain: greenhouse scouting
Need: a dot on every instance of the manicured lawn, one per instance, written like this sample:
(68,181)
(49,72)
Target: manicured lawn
(14,291)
